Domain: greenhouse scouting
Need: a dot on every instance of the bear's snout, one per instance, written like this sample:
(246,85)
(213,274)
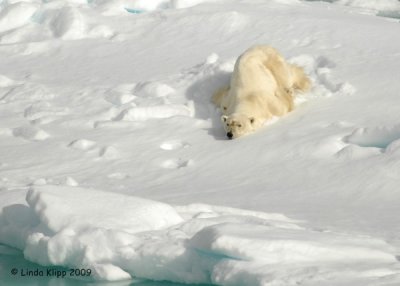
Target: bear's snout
(230,135)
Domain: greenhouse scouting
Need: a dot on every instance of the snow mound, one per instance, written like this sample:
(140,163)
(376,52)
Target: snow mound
(379,137)
(137,214)
(153,89)
(120,237)
(150,112)
(284,245)
(34,22)
(16,15)
(371,141)
(120,95)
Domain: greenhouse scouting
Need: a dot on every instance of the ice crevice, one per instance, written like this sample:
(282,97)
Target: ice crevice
(122,237)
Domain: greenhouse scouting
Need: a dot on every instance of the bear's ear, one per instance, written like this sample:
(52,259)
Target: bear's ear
(224,118)
(251,120)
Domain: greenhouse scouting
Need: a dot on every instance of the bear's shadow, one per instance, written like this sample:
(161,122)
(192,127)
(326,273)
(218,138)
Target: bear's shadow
(200,92)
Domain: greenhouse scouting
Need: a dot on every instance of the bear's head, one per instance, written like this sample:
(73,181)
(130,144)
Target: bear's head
(238,124)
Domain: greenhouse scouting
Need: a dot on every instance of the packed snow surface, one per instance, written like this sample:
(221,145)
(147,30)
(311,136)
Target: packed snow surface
(115,96)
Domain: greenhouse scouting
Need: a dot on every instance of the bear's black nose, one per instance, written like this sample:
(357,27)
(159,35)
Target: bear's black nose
(229,134)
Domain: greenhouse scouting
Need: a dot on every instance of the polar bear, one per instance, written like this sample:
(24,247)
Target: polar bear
(262,86)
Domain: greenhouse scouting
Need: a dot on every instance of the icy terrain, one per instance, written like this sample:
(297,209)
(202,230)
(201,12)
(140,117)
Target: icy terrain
(122,237)
(112,156)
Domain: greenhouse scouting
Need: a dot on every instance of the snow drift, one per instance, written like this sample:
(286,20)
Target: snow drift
(121,237)
(115,96)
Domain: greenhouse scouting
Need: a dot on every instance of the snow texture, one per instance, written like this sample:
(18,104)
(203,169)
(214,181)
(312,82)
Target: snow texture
(121,237)
(115,96)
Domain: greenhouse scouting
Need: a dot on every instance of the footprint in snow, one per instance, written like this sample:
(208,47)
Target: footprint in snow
(30,133)
(174,145)
(323,71)
(67,181)
(176,163)
(120,95)
(118,176)
(82,144)
(109,152)
(304,42)
(324,83)
(105,152)
(42,112)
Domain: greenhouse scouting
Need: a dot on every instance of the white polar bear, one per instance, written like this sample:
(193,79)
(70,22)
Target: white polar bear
(262,86)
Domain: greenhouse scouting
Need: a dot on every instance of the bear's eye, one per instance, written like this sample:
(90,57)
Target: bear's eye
(239,125)
(225,108)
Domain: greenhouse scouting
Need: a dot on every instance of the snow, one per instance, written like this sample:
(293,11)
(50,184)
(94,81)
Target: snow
(121,237)
(388,8)
(113,158)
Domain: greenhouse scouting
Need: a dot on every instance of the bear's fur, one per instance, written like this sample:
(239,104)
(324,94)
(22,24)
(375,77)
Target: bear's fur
(262,86)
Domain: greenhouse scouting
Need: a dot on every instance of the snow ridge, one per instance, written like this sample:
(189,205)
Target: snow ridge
(115,96)
(121,237)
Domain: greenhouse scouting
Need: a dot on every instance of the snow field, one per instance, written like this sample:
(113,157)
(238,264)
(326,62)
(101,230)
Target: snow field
(93,97)
(121,237)
(130,106)
(182,95)
(35,21)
